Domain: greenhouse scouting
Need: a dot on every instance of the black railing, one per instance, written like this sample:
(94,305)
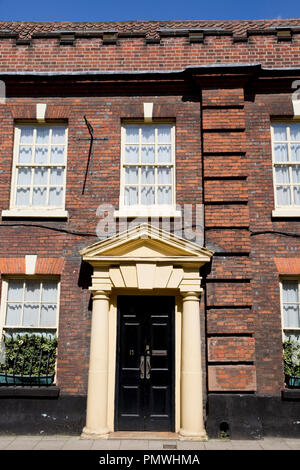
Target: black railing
(28,360)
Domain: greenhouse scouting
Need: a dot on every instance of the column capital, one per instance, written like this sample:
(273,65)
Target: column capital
(100,294)
(190,296)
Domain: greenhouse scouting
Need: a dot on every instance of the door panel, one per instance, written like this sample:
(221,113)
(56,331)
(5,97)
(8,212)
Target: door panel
(145,364)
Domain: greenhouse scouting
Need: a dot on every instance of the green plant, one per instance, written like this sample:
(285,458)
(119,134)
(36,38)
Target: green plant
(291,358)
(29,354)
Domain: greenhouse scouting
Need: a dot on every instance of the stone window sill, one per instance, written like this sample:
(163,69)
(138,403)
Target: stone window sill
(32,213)
(144,211)
(32,392)
(288,212)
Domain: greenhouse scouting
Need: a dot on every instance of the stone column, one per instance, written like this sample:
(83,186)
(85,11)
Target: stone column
(96,419)
(192,425)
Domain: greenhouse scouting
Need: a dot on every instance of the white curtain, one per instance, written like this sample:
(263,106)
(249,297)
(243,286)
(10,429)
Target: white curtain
(295,132)
(57,155)
(131,154)
(41,155)
(132,134)
(25,154)
(281,152)
(148,195)
(164,193)
(58,135)
(48,315)
(164,154)
(280,133)
(55,196)
(148,154)
(42,135)
(283,192)
(14,299)
(131,175)
(148,134)
(131,196)
(26,135)
(290,296)
(164,134)
(148,175)
(23,197)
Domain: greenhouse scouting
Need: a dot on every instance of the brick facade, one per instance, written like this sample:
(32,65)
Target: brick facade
(222,93)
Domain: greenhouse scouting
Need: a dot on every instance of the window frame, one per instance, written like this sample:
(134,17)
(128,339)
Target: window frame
(31,210)
(291,210)
(282,279)
(3,308)
(167,210)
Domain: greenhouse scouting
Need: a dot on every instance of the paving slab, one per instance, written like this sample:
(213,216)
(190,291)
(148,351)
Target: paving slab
(105,444)
(77,444)
(215,444)
(49,445)
(137,444)
(22,444)
(190,445)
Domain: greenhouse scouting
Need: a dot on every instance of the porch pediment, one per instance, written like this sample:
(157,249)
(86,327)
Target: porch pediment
(146,258)
(145,243)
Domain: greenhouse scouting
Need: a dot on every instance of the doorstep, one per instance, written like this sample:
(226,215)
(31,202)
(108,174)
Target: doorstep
(145,435)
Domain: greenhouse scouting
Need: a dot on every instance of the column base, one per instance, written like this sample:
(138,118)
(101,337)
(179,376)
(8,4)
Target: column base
(100,434)
(191,436)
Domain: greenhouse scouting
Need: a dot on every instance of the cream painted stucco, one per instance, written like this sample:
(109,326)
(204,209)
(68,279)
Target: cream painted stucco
(145,261)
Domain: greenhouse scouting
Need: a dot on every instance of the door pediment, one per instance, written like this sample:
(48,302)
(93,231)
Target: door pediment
(145,242)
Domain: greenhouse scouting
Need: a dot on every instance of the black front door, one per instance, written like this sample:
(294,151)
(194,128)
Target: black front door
(145,364)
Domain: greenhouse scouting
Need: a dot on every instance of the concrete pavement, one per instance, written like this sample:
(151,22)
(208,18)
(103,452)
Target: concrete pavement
(59,442)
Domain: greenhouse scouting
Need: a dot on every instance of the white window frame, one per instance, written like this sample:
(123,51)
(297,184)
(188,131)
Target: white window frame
(286,210)
(36,211)
(287,278)
(140,210)
(24,278)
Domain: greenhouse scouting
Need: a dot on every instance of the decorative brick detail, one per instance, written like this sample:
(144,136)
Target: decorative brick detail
(224,142)
(226,320)
(230,267)
(223,119)
(231,378)
(228,293)
(225,190)
(225,166)
(49,265)
(57,112)
(12,265)
(228,240)
(43,266)
(223,97)
(23,111)
(230,349)
(227,215)
(288,265)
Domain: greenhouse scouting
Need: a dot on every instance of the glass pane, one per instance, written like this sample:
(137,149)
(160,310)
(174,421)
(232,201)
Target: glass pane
(164,175)
(282,174)
(41,155)
(295,153)
(57,176)
(296,174)
(39,196)
(164,154)
(148,134)
(131,154)
(281,153)
(42,135)
(132,134)
(24,176)
(279,132)
(40,176)
(164,195)
(296,190)
(295,132)
(15,290)
(31,315)
(58,135)
(147,195)
(131,175)
(25,154)
(26,135)
(283,195)
(148,174)
(148,154)
(292,335)
(290,291)
(22,198)
(57,155)
(13,314)
(291,316)
(131,196)
(55,196)
(49,292)
(32,291)
(48,315)
(164,134)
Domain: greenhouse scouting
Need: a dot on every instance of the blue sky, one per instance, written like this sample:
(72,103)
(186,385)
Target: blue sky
(122,10)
